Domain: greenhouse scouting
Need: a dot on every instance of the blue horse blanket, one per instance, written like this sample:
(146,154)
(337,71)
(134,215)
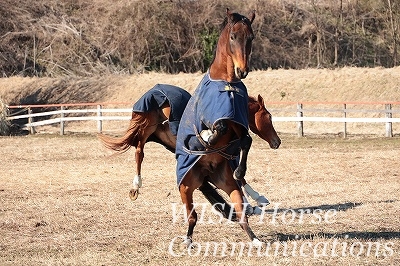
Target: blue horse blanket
(160,94)
(213,100)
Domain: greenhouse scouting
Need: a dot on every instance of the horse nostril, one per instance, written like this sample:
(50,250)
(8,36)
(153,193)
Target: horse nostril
(241,74)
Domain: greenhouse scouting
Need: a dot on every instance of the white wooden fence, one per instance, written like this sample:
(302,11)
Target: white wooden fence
(96,112)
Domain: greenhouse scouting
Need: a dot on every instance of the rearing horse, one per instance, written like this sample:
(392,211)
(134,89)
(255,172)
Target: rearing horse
(214,126)
(156,117)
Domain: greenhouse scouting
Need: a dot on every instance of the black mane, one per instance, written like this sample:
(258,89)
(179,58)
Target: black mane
(236,18)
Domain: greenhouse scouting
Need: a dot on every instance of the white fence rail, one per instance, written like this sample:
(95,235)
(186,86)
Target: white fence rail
(97,113)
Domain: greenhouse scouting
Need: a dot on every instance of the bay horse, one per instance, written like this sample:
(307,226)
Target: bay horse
(213,130)
(156,118)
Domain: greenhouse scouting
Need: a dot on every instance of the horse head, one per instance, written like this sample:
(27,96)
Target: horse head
(233,48)
(260,122)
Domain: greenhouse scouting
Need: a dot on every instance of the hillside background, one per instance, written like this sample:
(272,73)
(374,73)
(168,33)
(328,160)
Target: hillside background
(69,51)
(282,85)
(51,38)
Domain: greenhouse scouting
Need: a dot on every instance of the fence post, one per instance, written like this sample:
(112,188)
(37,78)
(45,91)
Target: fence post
(62,121)
(30,120)
(300,131)
(389,130)
(99,121)
(345,124)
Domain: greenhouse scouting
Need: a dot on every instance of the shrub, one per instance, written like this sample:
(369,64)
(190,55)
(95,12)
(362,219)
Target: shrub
(4,123)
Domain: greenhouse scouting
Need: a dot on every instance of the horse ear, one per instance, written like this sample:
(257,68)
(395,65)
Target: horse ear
(252,16)
(229,14)
(260,100)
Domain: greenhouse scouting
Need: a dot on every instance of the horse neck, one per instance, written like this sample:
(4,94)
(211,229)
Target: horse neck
(222,67)
(254,108)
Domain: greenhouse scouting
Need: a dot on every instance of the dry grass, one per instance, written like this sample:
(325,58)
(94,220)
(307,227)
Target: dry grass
(344,84)
(4,124)
(64,201)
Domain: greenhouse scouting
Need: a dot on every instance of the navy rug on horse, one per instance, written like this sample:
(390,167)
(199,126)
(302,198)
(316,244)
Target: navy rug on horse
(212,101)
(161,94)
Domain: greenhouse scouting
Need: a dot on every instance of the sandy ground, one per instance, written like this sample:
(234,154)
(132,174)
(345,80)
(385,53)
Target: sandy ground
(64,201)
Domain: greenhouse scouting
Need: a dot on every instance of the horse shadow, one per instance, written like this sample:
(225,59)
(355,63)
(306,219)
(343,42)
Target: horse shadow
(324,207)
(360,235)
(369,236)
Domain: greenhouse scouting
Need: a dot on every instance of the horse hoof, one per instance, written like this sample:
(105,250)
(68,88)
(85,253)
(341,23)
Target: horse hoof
(133,194)
(187,243)
(257,243)
(262,201)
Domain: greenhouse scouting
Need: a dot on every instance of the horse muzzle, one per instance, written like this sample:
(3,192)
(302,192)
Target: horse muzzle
(275,143)
(241,74)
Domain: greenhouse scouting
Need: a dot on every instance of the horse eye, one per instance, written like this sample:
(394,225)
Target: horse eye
(233,36)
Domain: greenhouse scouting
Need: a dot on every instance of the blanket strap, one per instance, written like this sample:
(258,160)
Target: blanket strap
(209,149)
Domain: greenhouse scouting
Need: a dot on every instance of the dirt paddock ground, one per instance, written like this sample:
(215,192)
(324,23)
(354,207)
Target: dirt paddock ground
(64,201)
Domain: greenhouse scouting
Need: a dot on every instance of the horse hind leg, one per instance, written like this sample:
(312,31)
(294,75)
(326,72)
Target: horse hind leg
(137,180)
(217,201)
(232,189)
(139,156)
(134,192)
(186,189)
(237,200)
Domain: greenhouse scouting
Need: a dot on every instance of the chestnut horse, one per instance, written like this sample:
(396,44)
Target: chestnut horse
(156,122)
(213,130)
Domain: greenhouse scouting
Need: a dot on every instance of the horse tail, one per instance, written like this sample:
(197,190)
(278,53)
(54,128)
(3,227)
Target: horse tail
(137,125)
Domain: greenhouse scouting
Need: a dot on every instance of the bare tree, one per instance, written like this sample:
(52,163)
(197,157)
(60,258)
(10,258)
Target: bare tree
(394,26)
(338,25)
(319,31)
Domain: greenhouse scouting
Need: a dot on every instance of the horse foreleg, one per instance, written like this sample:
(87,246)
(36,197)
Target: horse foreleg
(139,155)
(220,129)
(245,144)
(261,200)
